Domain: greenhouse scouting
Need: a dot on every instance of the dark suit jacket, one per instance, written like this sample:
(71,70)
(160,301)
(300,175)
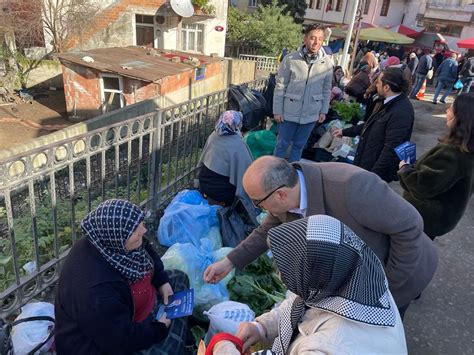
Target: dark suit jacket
(387,223)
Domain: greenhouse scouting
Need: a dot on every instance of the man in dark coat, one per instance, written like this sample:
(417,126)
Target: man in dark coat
(424,66)
(385,129)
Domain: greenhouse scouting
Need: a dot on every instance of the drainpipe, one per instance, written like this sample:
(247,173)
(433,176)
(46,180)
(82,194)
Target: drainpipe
(345,52)
(375,10)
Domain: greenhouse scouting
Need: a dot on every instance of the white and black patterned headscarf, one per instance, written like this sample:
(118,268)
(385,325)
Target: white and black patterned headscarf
(327,266)
(108,228)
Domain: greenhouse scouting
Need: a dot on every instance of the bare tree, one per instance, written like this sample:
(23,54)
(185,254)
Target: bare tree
(63,18)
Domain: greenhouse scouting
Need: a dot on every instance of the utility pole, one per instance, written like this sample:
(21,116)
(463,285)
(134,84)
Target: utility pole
(356,40)
(345,52)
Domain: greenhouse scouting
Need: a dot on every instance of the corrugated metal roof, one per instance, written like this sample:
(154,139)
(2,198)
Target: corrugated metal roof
(145,64)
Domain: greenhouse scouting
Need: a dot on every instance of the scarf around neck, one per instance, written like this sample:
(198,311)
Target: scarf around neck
(327,266)
(108,228)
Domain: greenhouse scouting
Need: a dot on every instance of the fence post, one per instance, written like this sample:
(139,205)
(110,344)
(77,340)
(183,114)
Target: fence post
(155,175)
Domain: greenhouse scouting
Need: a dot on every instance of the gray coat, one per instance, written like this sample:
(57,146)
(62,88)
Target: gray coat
(303,90)
(230,156)
(389,225)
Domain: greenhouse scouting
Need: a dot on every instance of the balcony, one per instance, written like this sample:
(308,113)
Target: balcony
(454,11)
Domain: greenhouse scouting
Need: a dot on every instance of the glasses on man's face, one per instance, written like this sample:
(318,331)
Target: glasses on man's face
(258,202)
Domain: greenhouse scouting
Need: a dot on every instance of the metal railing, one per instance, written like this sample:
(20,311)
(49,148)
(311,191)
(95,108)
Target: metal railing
(269,64)
(47,191)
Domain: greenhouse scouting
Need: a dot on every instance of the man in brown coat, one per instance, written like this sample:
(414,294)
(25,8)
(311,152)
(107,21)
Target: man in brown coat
(388,224)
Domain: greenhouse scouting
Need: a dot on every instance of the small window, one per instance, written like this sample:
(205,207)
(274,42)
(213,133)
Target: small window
(311,4)
(253,3)
(144,30)
(318,4)
(112,92)
(199,73)
(192,37)
(366,7)
(144,19)
(385,7)
(339,5)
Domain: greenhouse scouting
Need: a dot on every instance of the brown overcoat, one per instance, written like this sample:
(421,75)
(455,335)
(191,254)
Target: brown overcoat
(387,223)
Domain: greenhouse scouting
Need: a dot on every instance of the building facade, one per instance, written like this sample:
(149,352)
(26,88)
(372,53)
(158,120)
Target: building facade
(337,12)
(154,24)
(454,19)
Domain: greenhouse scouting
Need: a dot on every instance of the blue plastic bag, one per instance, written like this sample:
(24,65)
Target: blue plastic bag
(193,261)
(187,219)
(458,85)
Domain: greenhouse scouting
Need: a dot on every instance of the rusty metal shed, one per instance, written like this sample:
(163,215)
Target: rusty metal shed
(145,64)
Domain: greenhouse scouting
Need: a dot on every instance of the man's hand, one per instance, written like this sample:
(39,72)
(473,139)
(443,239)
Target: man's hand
(217,271)
(249,334)
(336,132)
(165,291)
(165,320)
(278,118)
(322,117)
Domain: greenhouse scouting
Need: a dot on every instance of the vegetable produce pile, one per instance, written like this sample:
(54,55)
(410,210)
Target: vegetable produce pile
(347,110)
(258,286)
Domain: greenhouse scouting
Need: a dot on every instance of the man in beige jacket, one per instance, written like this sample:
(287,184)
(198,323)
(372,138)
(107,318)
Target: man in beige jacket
(302,93)
(388,224)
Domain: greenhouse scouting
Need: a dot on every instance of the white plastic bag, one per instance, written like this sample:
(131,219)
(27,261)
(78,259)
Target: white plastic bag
(25,336)
(226,317)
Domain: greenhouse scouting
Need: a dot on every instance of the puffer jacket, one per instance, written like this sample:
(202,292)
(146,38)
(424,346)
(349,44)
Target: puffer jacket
(303,90)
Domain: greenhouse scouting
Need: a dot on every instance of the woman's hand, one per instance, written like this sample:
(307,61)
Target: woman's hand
(164,320)
(165,291)
(249,334)
(403,163)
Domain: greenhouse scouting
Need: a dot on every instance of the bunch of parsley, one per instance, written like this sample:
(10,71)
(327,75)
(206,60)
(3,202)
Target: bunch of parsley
(258,286)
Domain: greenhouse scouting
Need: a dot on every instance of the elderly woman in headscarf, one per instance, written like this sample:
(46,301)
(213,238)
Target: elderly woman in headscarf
(338,300)
(110,287)
(224,159)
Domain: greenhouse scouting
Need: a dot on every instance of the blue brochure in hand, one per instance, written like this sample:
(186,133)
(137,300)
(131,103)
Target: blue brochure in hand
(407,152)
(180,304)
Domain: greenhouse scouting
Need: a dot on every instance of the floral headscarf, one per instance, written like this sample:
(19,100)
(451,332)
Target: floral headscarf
(108,228)
(230,123)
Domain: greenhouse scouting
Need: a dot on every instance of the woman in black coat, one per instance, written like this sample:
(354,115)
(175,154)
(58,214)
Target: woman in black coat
(107,292)
(441,182)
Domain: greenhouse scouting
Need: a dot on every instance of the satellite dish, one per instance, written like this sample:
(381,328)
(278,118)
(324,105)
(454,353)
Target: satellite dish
(183,8)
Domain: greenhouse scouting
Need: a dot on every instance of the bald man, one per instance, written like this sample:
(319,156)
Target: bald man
(387,223)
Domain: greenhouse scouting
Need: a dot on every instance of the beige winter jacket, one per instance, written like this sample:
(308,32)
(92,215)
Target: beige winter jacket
(303,90)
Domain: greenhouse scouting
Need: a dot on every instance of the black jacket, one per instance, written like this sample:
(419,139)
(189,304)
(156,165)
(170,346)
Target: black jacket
(439,185)
(94,306)
(380,134)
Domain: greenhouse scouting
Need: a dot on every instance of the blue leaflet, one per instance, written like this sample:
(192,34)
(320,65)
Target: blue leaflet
(181,304)
(407,152)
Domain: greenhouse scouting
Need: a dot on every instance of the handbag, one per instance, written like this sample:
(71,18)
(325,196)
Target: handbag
(430,74)
(233,228)
(458,85)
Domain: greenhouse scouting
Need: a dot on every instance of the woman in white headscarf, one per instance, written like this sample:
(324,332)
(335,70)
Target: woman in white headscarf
(338,300)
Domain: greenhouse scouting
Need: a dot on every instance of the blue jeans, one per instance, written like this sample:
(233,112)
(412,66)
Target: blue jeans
(419,78)
(466,81)
(440,86)
(295,134)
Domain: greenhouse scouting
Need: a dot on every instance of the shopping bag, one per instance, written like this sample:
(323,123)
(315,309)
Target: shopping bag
(458,85)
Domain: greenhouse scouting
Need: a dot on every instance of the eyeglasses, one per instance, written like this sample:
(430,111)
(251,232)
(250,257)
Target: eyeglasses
(258,202)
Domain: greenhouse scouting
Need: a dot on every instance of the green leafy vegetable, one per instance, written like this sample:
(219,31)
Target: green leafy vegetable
(258,286)
(347,110)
